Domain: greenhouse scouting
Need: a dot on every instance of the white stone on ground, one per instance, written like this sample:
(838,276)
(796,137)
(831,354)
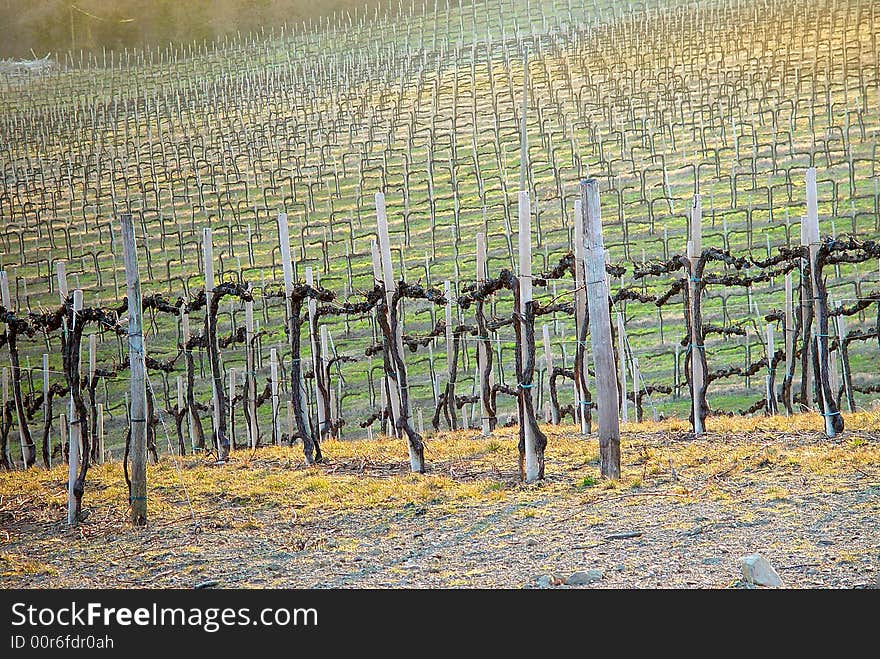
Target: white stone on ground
(757,570)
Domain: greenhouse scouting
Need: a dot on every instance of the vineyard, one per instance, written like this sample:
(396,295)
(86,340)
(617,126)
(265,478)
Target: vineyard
(449,216)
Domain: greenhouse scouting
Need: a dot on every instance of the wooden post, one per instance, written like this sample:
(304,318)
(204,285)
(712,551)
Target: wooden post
(548,367)
(389,384)
(450,349)
(637,384)
(844,362)
(138,444)
(75,430)
(48,444)
(600,331)
(694,251)
(416,459)
(789,342)
(290,420)
(287,269)
(483,348)
(770,388)
(194,424)
(181,405)
(250,380)
(524,134)
(62,280)
(4,291)
(7,304)
(317,364)
(812,237)
(581,367)
(4,388)
(231,421)
(532,466)
(676,372)
(62,424)
(208,252)
(93,356)
(325,359)
(621,362)
(99,408)
(273,370)
(695,343)
(806,314)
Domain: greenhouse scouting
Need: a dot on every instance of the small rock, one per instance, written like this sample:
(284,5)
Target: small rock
(712,561)
(757,570)
(531,542)
(206,584)
(825,541)
(620,568)
(584,577)
(545,580)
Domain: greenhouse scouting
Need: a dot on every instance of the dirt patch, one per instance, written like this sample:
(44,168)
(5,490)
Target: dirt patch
(681,516)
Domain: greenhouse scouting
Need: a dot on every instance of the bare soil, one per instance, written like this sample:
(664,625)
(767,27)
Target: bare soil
(683,514)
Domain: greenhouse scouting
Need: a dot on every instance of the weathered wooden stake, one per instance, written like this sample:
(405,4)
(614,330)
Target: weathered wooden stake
(806,311)
(4,291)
(600,331)
(450,354)
(532,464)
(637,385)
(231,396)
(273,371)
(325,371)
(75,430)
(844,363)
(290,421)
(789,343)
(524,133)
(250,379)
(47,446)
(621,362)
(581,366)
(827,407)
(216,382)
(99,408)
(181,405)
(770,385)
(389,388)
(483,348)
(4,398)
(293,331)
(62,280)
(548,367)
(138,421)
(416,459)
(317,363)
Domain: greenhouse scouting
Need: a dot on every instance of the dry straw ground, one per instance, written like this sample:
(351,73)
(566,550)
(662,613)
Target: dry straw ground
(682,514)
